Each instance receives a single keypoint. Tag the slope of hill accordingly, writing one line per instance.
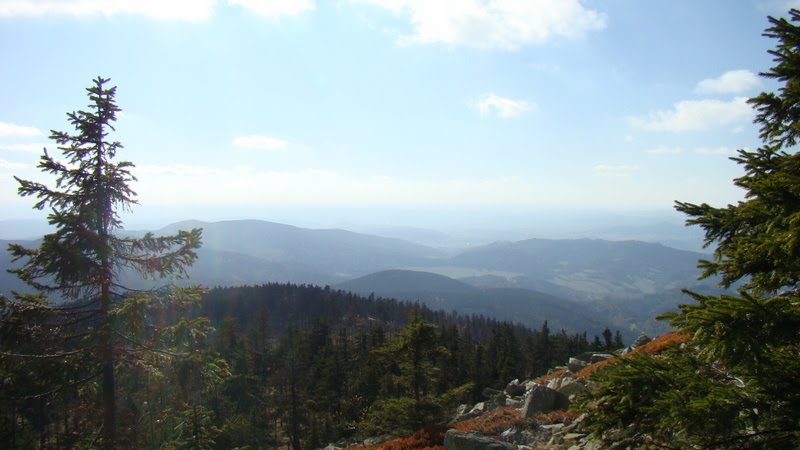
(675, 235)
(223, 268)
(404, 283)
(586, 268)
(338, 254)
(524, 306)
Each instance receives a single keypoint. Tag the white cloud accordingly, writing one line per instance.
(182, 10)
(664, 150)
(506, 24)
(628, 138)
(505, 108)
(259, 142)
(13, 130)
(691, 115)
(731, 82)
(29, 148)
(605, 170)
(275, 8)
(713, 151)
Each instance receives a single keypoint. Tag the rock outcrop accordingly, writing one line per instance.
(640, 341)
(542, 399)
(471, 440)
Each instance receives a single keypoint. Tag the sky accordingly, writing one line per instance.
(289, 110)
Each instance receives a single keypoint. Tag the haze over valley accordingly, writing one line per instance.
(576, 284)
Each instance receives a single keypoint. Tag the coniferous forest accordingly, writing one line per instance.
(275, 365)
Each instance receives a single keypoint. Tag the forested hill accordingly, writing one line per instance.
(276, 309)
(279, 306)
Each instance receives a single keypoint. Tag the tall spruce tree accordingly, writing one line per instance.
(734, 385)
(81, 261)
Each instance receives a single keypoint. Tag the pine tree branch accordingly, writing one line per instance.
(56, 391)
(142, 346)
(55, 355)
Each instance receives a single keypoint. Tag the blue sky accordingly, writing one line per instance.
(242, 107)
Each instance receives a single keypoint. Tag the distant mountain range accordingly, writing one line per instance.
(528, 281)
(316, 256)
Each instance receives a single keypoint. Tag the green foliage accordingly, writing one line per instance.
(674, 400)
(734, 385)
(193, 429)
(414, 353)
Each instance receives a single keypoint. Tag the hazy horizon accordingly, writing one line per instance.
(452, 227)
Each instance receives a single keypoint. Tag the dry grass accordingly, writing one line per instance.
(660, 343)
(592, 368)
(491, 423)
(564, 416)
(554, 374)
(495, 421)
(428, 438)
(653, 347)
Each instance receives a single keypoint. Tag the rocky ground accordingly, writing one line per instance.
(532, 414)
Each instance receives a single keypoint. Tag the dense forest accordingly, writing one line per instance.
(274, 365)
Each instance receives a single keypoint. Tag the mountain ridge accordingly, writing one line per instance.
(525, 306)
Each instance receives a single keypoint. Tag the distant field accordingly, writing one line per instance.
(464, 272)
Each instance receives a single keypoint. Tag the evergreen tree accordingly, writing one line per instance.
(543, 357)
(81, 261)
(505, 353)
(597, 346)
(607, 339)
(416, 350)
(618, 344)
(734, 385)
(410, 397)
